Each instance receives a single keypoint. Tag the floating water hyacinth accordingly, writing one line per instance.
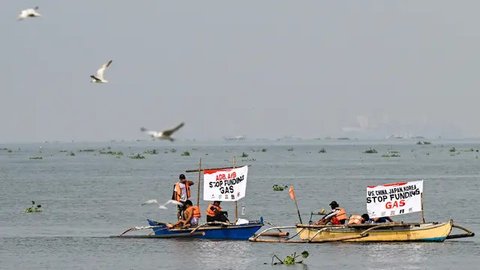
(35, 208)
(151, 152)
(370, 151)
(137, 156)
(86, 150)
(110, 152)
(185, 154)
(290, 259)
(391, 153)
(279, 187)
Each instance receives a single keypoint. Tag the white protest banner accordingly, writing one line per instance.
(225, 184)
(394, 199)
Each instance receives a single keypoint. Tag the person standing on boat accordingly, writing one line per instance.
(337, 216)
(215, 213)
(181, 193)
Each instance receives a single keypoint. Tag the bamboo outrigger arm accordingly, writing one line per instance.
(153, 236)
(345, 238)
(319, 231)
(461, 235)
(257, 238)
(138, 228)
(266, 232)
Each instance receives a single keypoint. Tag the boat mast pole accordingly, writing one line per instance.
(236, 202)
(423, 213)
(199, 181)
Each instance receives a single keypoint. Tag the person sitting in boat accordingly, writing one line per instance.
(181, 193)
(215, 213)
(337, 216)
(382, 219)
(191, 216)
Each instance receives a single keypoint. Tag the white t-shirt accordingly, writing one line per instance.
(183, 192)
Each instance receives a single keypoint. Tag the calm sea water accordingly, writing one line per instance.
(88, 196)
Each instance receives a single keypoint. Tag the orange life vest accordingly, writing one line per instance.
(355, 219)
(341, 215)
(193, 211)
(211, 212)
(177, 192)
(196, 212)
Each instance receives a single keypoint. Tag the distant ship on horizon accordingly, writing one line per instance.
(234, 138)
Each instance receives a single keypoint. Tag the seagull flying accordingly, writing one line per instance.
(164, 135)
(162, 206)
(98, 78)
(30, 12)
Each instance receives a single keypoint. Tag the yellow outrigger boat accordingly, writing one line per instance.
(434, 232)
(387, 232)
(368, 232)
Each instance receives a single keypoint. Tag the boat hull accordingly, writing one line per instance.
(217, 232)
(427, 232)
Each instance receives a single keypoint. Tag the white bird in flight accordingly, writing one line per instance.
(163, 135)
(98, 78)
(162, 206)
(30, 12)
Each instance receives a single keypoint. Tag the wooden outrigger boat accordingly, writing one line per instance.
(379, 200)
(210, 230)
(386, 232)
(239, 230)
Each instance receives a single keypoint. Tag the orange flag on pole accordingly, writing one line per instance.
(291, 192)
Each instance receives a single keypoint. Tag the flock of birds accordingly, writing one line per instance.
(99, 78)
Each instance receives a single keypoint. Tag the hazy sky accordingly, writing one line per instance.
(256, 68)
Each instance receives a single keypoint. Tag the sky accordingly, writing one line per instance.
(262, 69)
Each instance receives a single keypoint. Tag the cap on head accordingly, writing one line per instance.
(181, 176)
(188, 202)
(334, 204)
